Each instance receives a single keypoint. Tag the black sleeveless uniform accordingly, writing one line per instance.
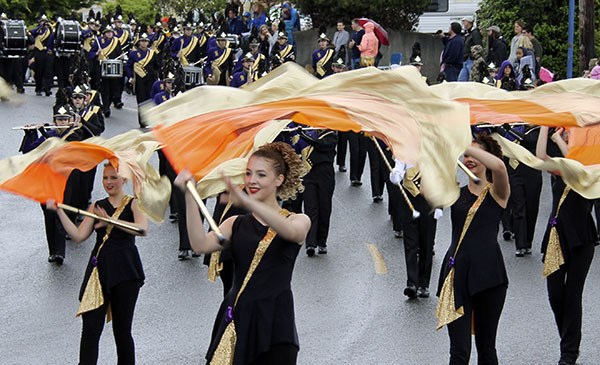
(119, 260)
(264, 315)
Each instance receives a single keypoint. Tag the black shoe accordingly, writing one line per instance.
(183, 255)
(322, 250)
(67, 237)
(48, 93)
(20, 90)
(59, 259)
(398, 234)
(107, 113)
(507, 235)
(119, 105)
(520, 252)
(310, 251)
(343, 168)
(411, 292)
(38, 93)
(423, 293)
(527, 251)
(377, 199)
(52, 258)
(195, 255)
(355, 183)
(173, 217)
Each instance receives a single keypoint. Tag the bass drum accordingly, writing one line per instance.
(14, 39)
(68, 37)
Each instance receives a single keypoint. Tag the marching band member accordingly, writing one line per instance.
(123, 35)
(186, 49)
(166, 94)
(202, 39)
(43, 55)
(323, 57)
(259, 67)
(282, 52)
(108, 48)
(158, 41)
(220, 62)
(246, 75)
(142, 69)
(342, 146)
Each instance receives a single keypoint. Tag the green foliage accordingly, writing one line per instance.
(391, 14)
(180, 8)
(548, 21)
(30, 10)
(143, 11)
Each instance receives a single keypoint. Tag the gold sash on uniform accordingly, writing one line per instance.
(157, 42)
(554, 257)
(124, 37)
(321, 71)
(185, 51)
(104, 53)
(446, 311)
(216, 68)
(224, 354)
(283, 53)
(40, 38)
(93, 298)
(140, 66)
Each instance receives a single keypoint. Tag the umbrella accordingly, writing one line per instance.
(381, 33)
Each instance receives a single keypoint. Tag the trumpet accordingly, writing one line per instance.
(38, 126)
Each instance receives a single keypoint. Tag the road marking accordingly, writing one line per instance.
(380, 267)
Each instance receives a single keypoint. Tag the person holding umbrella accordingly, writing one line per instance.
(369, 46)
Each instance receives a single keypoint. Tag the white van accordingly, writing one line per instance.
(441, 13)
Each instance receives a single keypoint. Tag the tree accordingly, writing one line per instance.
(547, 19)
(392, 14)
(30, 10)
(143, 11)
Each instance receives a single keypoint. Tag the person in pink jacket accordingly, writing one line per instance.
(369, 46)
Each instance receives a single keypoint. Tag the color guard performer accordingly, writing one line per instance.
(323, 57)
(142, 69)
(43, 36)
(108, 48)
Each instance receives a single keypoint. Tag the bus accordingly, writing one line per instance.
(441, 13)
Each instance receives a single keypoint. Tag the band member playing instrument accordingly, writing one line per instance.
(186, 49)
(123, 35)
(220, 62)
(202, 39)
(166, 94)
(323, 57)
(158, 41)
(108, 48)
(260, 65)
(282, 52)
(43, 56)
(142, 69)
(55, 234)
(245, 76)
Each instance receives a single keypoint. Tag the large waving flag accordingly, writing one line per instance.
(207, 126)
(42, 173)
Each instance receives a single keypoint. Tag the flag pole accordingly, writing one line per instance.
(211, 222)
(126, 226)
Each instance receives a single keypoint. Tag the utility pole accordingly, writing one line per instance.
(570, 39)
(587, 48)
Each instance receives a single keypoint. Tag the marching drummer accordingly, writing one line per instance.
(142, 69)
(202, 39)
(122, 34)
(107, 50)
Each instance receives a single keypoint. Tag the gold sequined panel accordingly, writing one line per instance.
(554, 257)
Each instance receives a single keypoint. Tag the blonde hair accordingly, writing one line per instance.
(286, 162)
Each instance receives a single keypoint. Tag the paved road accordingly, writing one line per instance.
(346, 312)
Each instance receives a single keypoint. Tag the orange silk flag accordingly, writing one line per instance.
(42, 173)
(584, 145)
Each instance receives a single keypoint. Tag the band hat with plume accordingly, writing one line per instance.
(339, 63)
(248, 57)
(323, 37)
(78, 90)
(222, 37)
(144, 37)
(132, 22)
(108, 28)
(528, 83)
(170, 77)
(63, 112)
(492, 66)
(282, 35)
(417, 61)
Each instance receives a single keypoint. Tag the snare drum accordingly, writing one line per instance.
(14, 38)
(112, 68)
(193, 76)
(68, 37)
(233, 40)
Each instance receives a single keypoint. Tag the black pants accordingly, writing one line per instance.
(55, 233)
(358, 155)
(484, 310)
(179, 197)
(111, 89)
(61, 68)
(342, 147)
(281, 354)
(597, 212)
(319, 185)
(122, 303)
(15, 71)
(378, 169)
(419, 236)
(165, 168)
(44, 70)
(523, 207)
(143, 86)
(565, 292)
(95, 72)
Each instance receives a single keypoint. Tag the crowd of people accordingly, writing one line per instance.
(259, 240)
